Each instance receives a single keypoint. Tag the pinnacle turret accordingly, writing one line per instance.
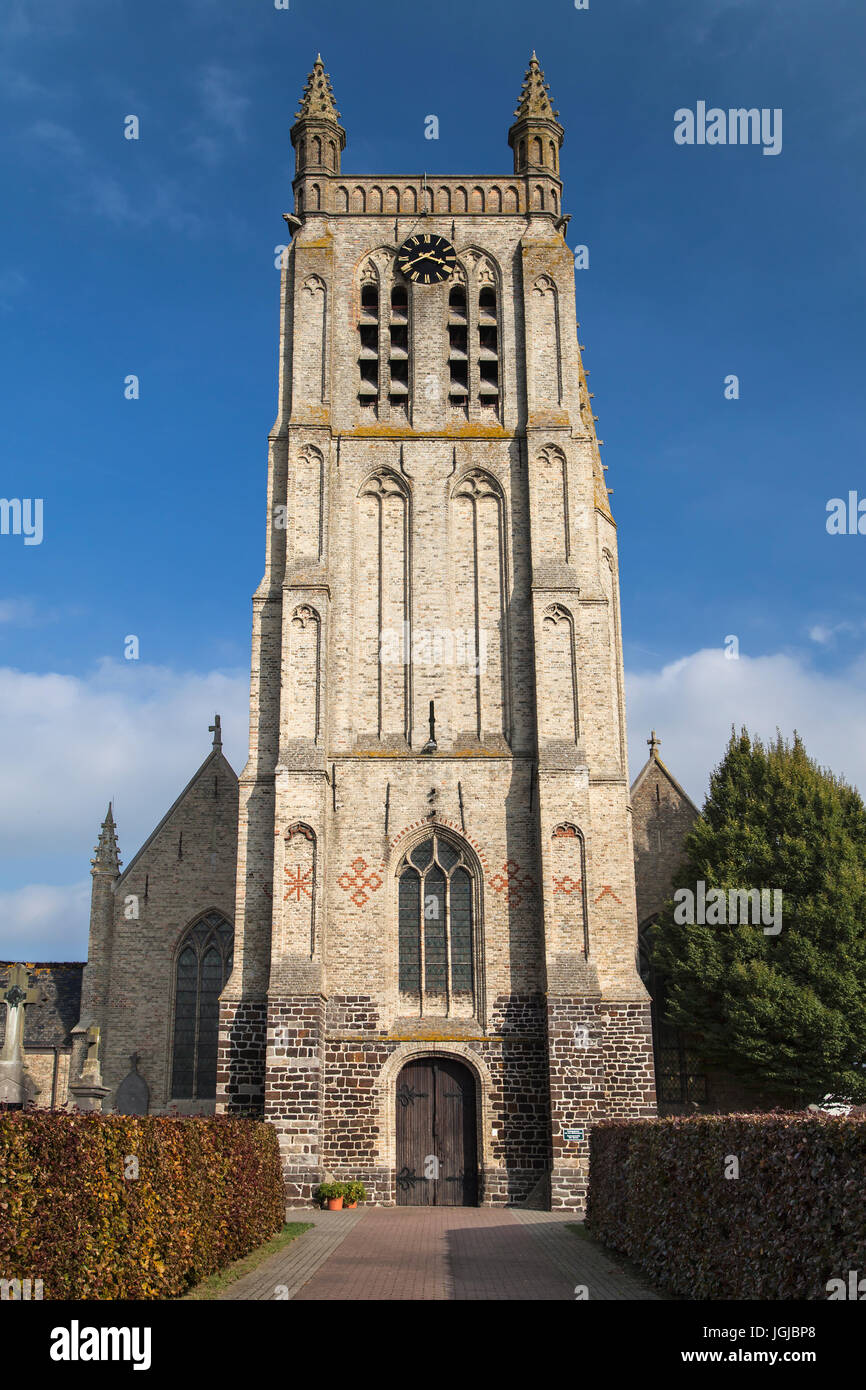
(536, 136)
(317, 136)
(106, 859)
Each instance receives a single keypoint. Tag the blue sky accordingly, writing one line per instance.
(156, 257)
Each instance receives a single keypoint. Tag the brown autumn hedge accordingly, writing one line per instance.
(793, 1219)
(208, 1191)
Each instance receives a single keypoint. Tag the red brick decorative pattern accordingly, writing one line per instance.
(513, 883)
(604, 892)
(567, 884)
(298, 882)
(434, 824)
(360, 884)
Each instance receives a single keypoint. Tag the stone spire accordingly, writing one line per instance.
(106, 858)
(318, 97)
(317, 136)
(536, 136)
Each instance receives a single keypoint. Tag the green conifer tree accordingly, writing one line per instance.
(787, 1011)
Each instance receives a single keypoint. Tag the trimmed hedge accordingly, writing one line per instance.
(208, 1191)
(793, 1219)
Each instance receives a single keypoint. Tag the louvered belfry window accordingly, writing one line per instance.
(203, 965)
(436, 922)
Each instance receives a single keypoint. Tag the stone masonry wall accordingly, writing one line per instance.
(513, 1111)
(241, 1056)
(600, 1069)
(294, 1089)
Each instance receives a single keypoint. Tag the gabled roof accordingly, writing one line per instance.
(654, 762)
(214, 757)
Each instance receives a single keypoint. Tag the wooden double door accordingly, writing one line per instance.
(437, 1163)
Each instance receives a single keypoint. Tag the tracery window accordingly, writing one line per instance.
(436, 927)
(204, 964)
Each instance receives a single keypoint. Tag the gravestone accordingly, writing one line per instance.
(133, 1096)
(87, 1092)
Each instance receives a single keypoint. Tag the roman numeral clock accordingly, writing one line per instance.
(426, 258)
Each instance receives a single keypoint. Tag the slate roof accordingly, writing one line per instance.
(50, 1020)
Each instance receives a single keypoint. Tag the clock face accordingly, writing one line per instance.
(425, 258)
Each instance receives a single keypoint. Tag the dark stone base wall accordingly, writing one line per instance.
(294, 1089)
(327, 1113)
(241, 1056)
(519, 1157)
(609, 1079)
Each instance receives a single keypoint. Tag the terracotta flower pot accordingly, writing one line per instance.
(335, 1203)
(351, 1204)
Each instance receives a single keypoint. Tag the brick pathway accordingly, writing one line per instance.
(292, 1267)
(438, 1253)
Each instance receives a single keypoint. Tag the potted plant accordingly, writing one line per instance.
(355, 1192)
(331, 1194)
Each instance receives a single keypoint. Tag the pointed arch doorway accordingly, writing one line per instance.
(437, 1146)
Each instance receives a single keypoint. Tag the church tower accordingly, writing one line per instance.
(435, 986)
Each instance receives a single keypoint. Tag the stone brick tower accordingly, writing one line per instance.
(435, 985)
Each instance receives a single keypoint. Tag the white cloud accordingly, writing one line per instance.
(41, 922)
(826, 635)
(693, 702)
(223, 113)
(221, 100)
(92, 190)
(18, 611)
(129, 732)
(59, 138)
(12, 284)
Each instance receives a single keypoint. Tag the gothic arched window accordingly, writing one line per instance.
(436, 927)
(204, 964)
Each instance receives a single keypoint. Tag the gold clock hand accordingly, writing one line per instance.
(425, 256)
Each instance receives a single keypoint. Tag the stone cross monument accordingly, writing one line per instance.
(16, 1087)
